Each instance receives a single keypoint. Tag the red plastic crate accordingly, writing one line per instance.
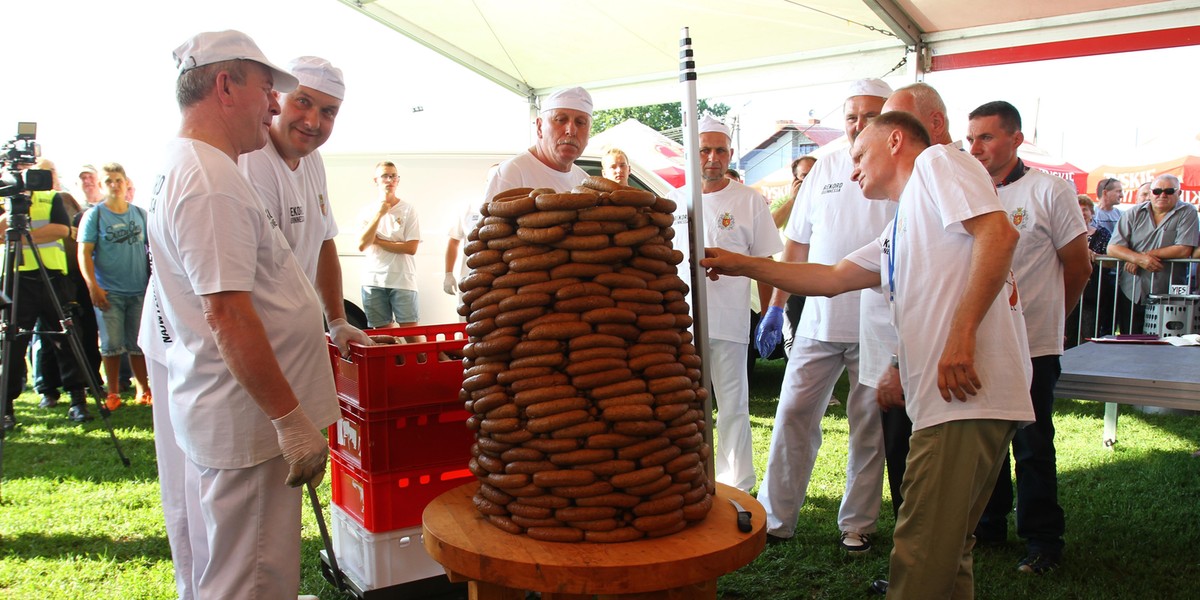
(381, 441)
(383, 502)
(403, 375)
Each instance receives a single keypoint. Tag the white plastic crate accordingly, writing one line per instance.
(379, 560)
(1168, 315)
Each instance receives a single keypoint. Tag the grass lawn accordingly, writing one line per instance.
(75, 523)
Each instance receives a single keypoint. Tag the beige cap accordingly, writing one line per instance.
(575, 98)
(319, 74)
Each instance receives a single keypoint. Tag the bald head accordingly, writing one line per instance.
(924, 103)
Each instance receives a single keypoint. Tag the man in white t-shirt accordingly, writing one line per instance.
(1052, 266)
(830, 219)
(239, 329)
(963, 356)
(736, 218)
(391, 233)
(289, 176)
(563, 126)
(467, 220)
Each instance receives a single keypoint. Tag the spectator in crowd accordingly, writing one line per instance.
(1108, 194)
(47, 379)
(962, 357)
(390, 235)
(800, 169)
(733, 175)
(115, 266)
(89, 185)
(1162, 228)
(1143, 193)
(49, 225)
(614, 164)
(736, 218)
(830, 220)
(1051, 266)
(239, 326)
(1082, 322)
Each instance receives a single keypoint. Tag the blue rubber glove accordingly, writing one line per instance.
(770, 331)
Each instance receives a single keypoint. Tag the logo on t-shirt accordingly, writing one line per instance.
(725, 221)
(296, 214)
(1018, 218)
(321, 203)
(271, 218)
(832, 188)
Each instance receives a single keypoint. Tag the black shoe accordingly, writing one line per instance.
(78, 413)
(855, 543)
(773, 539)
(48, 401)
(1038, 563)
(878, 587)
(10, 422)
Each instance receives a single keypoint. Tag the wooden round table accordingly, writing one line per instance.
(502, 566)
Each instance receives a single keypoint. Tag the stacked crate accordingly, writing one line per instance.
(400, 442)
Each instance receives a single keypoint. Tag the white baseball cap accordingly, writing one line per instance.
(709, 124)
(319, 74)
(869, 87)
(575, 98)
(218, 46)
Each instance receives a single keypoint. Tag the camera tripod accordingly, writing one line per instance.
(16, 238)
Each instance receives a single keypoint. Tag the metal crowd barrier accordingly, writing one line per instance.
(1170, 305)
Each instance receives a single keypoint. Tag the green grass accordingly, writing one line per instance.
(75, 523)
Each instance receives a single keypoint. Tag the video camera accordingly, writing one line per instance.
(20, 151)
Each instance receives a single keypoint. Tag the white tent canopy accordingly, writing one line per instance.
(625, 52)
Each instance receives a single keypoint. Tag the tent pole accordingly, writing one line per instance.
(695, 215)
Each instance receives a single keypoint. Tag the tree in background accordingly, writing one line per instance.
(659, 117)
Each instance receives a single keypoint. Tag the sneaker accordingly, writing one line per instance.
(10, 422)
(78, 413)
(1037, 563)
(855, 543)
(112, 402)
(48, 401)
(878, 587)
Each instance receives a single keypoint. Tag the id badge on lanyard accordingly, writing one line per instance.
(891, 263)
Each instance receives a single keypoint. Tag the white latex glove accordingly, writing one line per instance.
(450, 284)
(303, 446)
(342, 333)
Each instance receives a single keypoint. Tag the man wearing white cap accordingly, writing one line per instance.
(289, 175)
(238, 328)
(830, 219)
(737, 218)
(563, 126)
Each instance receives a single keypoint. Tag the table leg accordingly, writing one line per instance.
(1110, 424)
(482, 590)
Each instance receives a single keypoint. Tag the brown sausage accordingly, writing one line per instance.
(549, 318)
(521, 453)
(628, 412)
(620, 280)
(670, 412)
(605, 256)
(550, 446)
(547, 287)
(624, 388)
(594, 353)
(526, 511)
(669, 384)
(637, 478)
(545, 394)
(555, 534)
(541, 235)
(607, 213)
(559, 331)
(581, 457)
(507, 482)
(643, 295)
(660, 457)
(539, 262)
(505, 524)
(565, 477)
(512, 207)
(635, 237)
(491, 297)
(671, 338)
(601, 378)
(593, 366)
(595, 340)
(583, 491)
(528, 467)
(639, 363)
(527, 523)
(659, 506)
(486, 257)
(583, 304)
(671, 369)
(516, 280)
(581, 430)
(546, 218)
(557, 421)
(541, 360)
(534, 383)
(536, 347)
(554, 407)
(651, 322)
(580, 241)
(613, 499)
(631, 197)
(642, 399)
(643, 428)
(519, 316)
(580, 270)
(566, 201)
(512, 375)
(609, 315)
(580, 290)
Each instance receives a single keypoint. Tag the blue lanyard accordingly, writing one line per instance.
(892, 263)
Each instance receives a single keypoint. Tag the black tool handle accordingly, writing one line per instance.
(743, 521)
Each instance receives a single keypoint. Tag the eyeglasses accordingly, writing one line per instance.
(387, 176)
(1161, 191)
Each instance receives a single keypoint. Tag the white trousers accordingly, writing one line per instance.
(234, 533)
(174, 473)
(812, 372)
(733, 457)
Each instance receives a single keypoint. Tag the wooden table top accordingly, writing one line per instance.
(459, 538)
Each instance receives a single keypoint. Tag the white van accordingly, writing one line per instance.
(438, 185)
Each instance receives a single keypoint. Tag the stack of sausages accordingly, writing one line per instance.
(580, 373)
